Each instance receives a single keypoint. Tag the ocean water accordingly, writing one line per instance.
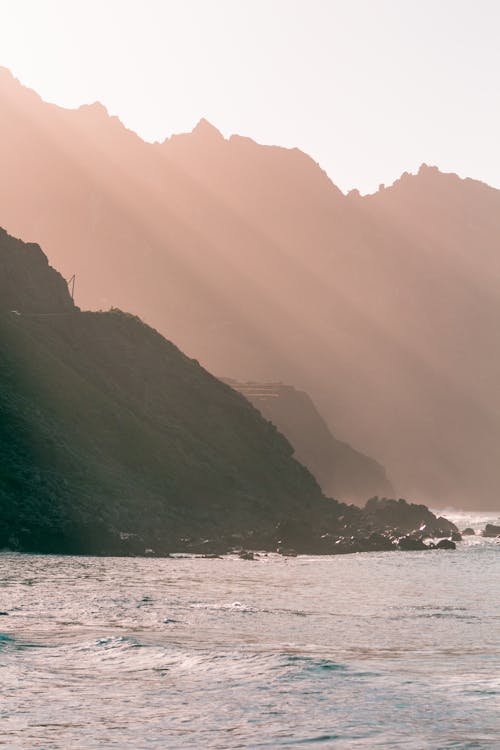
(379, 650)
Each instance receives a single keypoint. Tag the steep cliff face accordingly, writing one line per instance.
(109, 434)
(383, 308)
(27, 282)
(342, 472)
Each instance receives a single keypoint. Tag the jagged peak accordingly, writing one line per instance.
(433, 172)
(9, 81)
(427, 178)
(29, 284)
(205, 129)
(428, 169)
(94, 108)
(425, 172)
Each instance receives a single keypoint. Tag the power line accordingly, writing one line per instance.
(71, 286)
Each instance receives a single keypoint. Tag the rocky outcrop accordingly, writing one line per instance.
(27, 282)
(491, 531)
(446, 544)
(411, 544)
(341, 471)
(403, 516)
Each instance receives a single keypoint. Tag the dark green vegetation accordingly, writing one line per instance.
(114, 442)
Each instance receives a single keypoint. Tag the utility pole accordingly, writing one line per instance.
(71, 286)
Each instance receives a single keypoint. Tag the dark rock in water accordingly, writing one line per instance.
(246, 555)
(374, 542)
(444, 525)
(446, 544)
(468, 532)
(387, 514)
(456, 536)
(441, 527)
(348, 545)
(380, 542)
(411, 544)
(286, 552)
(209, 548)
(490, 530)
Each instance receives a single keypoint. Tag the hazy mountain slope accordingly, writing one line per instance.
(106, 427)
(441, 276)
(342, 472)
(383, 308)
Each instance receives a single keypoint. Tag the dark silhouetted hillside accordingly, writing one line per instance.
(107, 429)
(27, 281)
(114, 442)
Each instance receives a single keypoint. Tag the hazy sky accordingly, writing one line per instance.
(369, 88)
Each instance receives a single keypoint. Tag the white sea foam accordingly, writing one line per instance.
(476, 520)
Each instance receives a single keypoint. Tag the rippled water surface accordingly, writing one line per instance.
(379, 650)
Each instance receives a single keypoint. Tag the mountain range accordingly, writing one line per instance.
(383, 308)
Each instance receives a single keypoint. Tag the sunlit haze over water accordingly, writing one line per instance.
(249, 375)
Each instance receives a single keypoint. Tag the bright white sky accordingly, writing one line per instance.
(369, 88)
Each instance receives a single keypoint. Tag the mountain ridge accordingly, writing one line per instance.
(382, 307)
(204, 126)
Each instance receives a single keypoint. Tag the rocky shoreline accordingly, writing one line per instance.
(382, 525)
